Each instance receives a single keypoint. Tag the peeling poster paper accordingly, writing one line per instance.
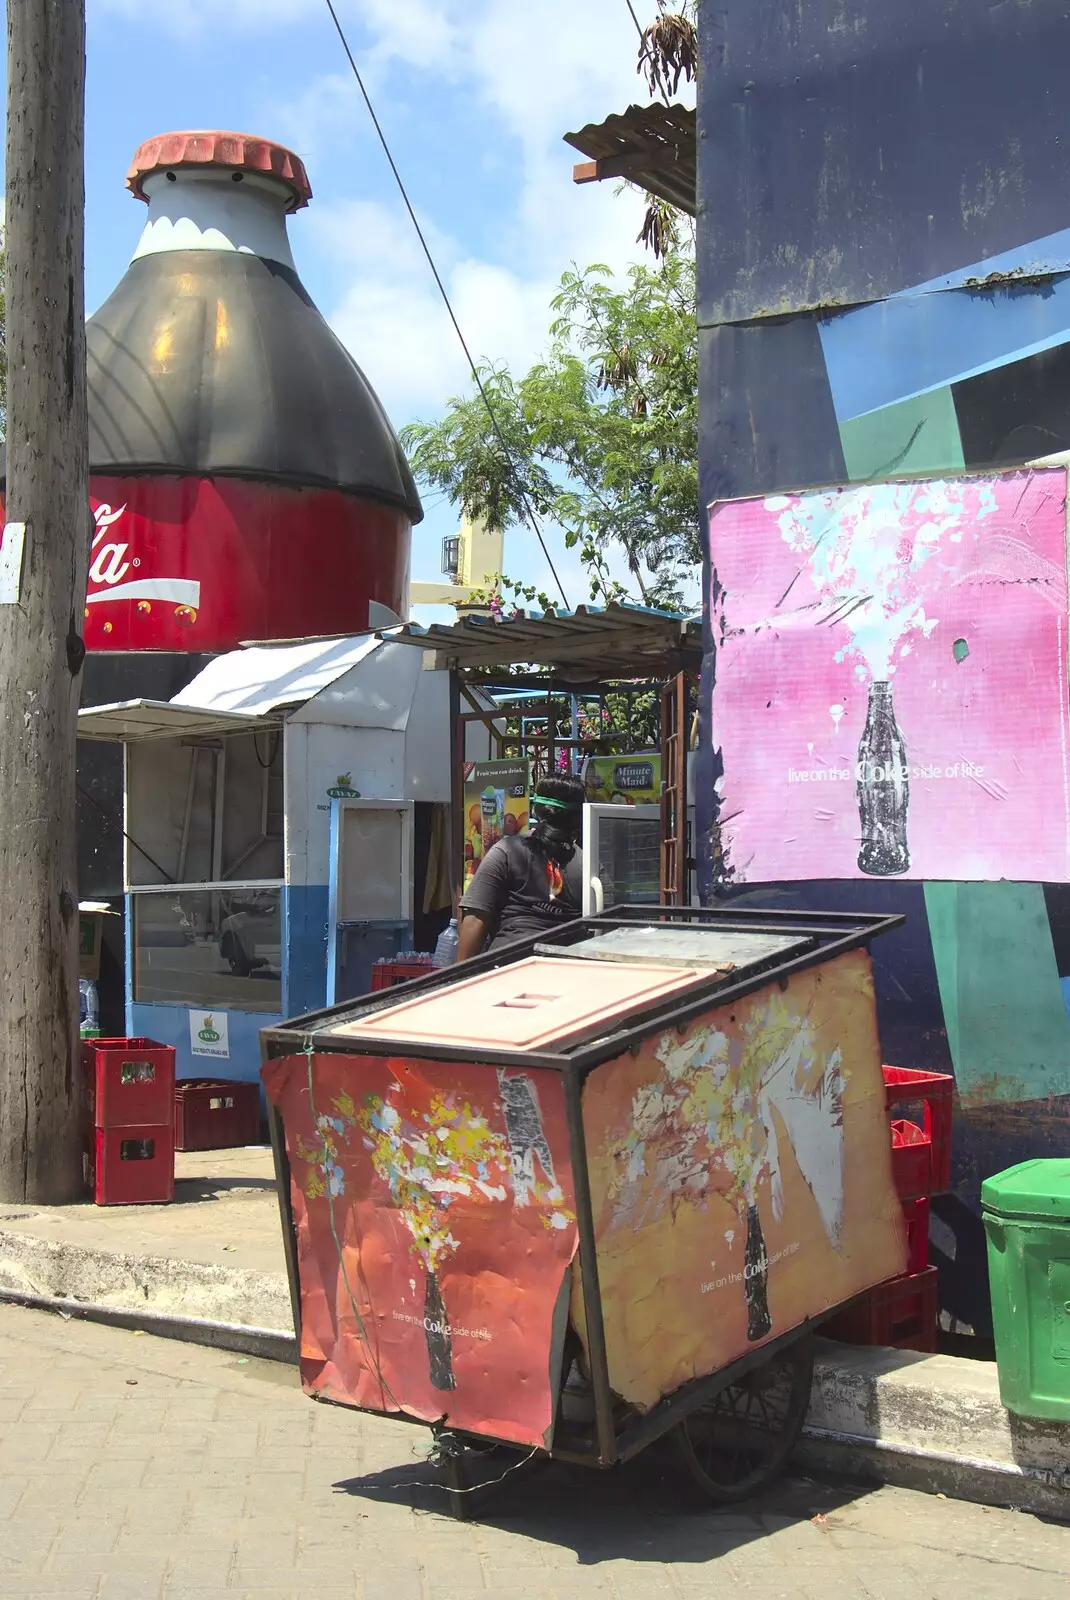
(12, 546)
(891, 680)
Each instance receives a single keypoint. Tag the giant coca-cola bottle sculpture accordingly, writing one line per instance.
(246, 483)
(883, 787)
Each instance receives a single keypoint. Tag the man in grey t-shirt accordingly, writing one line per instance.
(529, 883)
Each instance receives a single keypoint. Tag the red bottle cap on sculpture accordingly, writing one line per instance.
(239, 153)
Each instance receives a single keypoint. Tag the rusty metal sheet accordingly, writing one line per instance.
(653, 146)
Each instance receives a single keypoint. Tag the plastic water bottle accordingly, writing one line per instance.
(446, 948)
(89, 1008)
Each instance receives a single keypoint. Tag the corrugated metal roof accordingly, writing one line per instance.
(589, 645)
(653, 146)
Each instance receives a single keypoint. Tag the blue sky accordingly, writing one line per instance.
(474, 96)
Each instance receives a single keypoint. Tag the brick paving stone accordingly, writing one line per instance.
(135, 1469)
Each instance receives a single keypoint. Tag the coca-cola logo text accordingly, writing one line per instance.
(107, 563)
(114, 575)
(894, 772)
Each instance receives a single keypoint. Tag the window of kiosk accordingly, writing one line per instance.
(205, 811)
(215, 946)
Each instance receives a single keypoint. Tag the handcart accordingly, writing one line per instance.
(592, 1189)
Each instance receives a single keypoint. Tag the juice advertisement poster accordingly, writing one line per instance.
(633, 780)
(495, 804)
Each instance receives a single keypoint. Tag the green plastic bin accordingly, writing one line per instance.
(1027, 1221)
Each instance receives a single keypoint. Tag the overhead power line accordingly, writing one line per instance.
(446, 299)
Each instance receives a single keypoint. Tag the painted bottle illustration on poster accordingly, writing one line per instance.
(883, 787)
(756, 1279)
(440, 1158)
(439, 1339)
(704, 1131)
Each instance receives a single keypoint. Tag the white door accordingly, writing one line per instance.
(373, 865)
(621, 857)
(370, 890)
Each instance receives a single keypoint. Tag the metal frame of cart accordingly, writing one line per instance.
(612, 1438)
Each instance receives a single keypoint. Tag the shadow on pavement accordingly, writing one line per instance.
(189, 1190)
(645, 1510)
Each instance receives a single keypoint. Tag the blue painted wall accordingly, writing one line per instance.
(170, 1025)
(305, 936)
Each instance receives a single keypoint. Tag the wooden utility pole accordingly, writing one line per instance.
(43, 559)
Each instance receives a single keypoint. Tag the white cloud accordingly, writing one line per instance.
(308, 119)
(533, 73)
(424, 34)
(393, 320)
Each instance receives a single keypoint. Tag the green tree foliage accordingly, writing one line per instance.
(601, 437)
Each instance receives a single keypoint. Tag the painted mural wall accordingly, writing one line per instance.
(884, 294)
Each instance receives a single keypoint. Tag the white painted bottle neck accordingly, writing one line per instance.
(191, 210)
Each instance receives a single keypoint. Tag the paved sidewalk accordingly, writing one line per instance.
(133, 1469)
(225, 1214)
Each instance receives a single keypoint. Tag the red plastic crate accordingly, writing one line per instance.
(385, 974)
(901, 1313)
(414, 967)
(127, 1082)
(131, 1166)
(912, 1163)
(916, 1215)
(921, 1155)
(214, 1115)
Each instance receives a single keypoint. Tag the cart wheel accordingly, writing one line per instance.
(740, 1440)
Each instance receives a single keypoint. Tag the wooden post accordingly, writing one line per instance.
(42, 596)
(674, 742)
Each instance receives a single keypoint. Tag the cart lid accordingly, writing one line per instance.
(729, 949)
(526, 1005)
(1039, 1188)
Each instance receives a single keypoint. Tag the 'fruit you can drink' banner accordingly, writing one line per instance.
(495, 804)
(891, 681)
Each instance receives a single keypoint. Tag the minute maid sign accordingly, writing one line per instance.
(208, 1034)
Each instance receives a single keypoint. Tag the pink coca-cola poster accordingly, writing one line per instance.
(890, 683)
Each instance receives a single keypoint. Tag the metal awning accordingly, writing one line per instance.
(588, 645)
(129, 721)
(652, 146)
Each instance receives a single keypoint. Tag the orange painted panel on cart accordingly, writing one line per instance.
(524, 1006)
(433, 1205)
(741, 1177)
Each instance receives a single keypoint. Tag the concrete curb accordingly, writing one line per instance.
(934, 1423)
(267, 1343)
(875, 1461)
(159, 1285)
